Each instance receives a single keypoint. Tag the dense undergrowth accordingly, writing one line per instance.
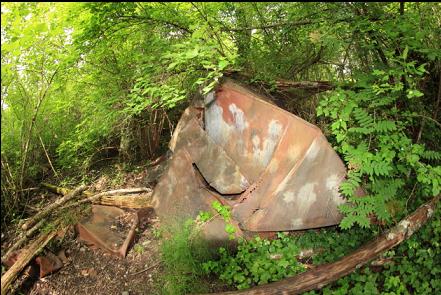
(413, 267)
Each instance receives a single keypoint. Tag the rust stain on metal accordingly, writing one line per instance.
(49, 263)
(275, 170)
(104, 229)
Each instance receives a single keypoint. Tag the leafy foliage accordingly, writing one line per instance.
(371, 132)
(182, 252)
(224, 212)
(411, 268)
(258, 261)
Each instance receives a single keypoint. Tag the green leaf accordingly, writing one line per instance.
(405, 51)
(223, 64)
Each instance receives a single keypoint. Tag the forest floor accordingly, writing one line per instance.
(93, 271)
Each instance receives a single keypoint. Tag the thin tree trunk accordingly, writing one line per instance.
(31, 126)
(47, 156)
(438, 99)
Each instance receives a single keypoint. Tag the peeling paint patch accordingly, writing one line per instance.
(274, 131)
(296, 222)
(313, 151)
(215, 125)
(256, 142)
(332, 182)
(239, 118)
(274, 128)
(306, 196)
(244, 184)
(288, 197)
(265, 154)
(332, 185)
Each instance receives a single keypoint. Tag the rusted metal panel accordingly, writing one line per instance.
(179, 192)
(49, 263)
(189, 114)
(244, 128)
(307, 197)
(218, 169)
(283, 171)
(100, 230)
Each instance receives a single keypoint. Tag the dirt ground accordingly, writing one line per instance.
(93, 271)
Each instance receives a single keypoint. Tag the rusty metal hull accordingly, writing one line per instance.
(275, 170)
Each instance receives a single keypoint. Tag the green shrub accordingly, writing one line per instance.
(182, 252)
(258, 261)
(372, 134)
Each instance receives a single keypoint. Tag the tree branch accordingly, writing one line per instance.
(322, 275)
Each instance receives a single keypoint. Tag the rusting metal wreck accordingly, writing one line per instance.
(276, 171)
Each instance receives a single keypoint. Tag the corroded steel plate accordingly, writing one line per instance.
(109, 228)
(275, 170)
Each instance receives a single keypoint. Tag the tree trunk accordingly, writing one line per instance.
(322, 275)
(126, 144)
(127, 201)
(118, 194)
(243, 35)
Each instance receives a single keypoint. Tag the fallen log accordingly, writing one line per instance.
(56, 189)
(40, 215)
(318, 277)
(126, 201)
(124, 191)
(109, 195)
(28, 254)
(134, 198)
(287, 85)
